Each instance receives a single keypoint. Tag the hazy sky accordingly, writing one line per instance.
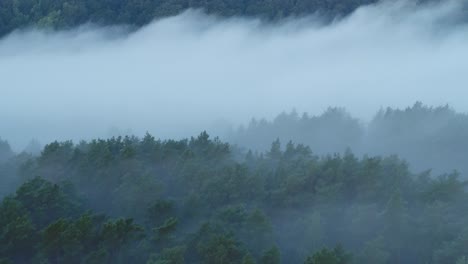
(177, 76)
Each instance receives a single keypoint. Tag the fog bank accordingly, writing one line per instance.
(180, 75)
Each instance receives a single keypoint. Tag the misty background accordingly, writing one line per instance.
(343, 134)
(184, 74)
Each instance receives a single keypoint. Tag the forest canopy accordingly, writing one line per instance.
(65, 14)
(300, 188)
(71, 13)
(200, 200)
(427, 137)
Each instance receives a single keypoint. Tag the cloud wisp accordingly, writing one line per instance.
(178, 75)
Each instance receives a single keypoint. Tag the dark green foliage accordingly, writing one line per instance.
(272, 256)
(60, 241)
(220, 248)
(47, 201)
(326, 256)
(118, 234)
(159, 211)
(196, 201)
(163, 231)
(17, 233)
(248, 259)
(61, 14)
(173, 255)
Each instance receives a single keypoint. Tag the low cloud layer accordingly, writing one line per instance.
(180, 75)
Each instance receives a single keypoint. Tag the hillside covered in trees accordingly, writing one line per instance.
(324, 189)
(71, 13)
(427, 137)
(199, 200)
(65, 14)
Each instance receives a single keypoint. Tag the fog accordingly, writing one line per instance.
(388, 79)
(180, 75)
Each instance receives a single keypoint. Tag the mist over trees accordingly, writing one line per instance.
(332, 131)
(71, 13)
(62, 14)
(199, 200)
(5, 151)
(427, 137)
(301, 188)
(227, 64)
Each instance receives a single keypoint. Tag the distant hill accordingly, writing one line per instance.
(428, 137)
(62, 14)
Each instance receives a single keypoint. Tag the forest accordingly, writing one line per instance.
(62, 14)
(65, 14)
(306, 188)
(427, 137)
(201, 200)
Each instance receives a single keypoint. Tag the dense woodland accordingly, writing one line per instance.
(427, 137)
(306, 189)
(70, 13)
(64, 14)
(200, 200)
